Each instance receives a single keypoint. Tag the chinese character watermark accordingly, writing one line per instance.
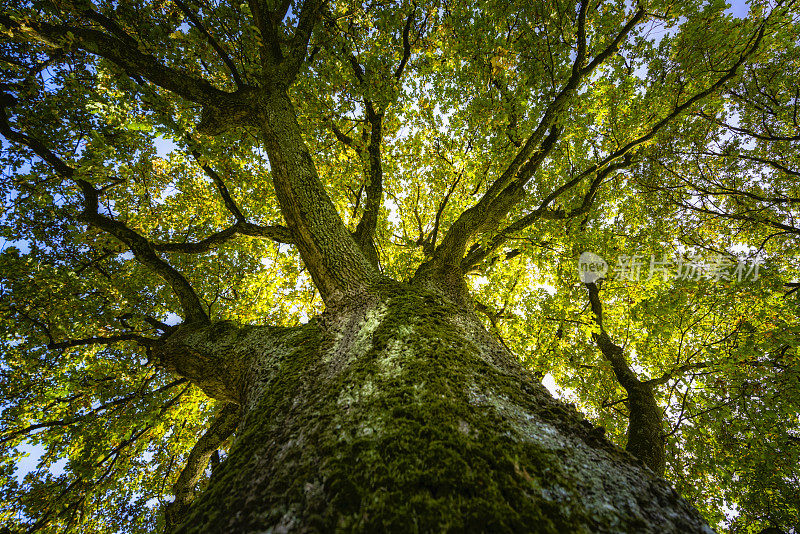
(715, 267)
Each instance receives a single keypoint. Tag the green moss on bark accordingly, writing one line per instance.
(398, 422)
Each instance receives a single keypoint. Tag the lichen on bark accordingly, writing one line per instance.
(397, 416)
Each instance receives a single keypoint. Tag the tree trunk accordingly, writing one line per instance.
(404, 415)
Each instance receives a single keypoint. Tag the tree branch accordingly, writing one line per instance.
(365, 231)
(120, 52)
(110, 25)
(343, 137)
(678, 371)
(363, 236)
(508, 189)
(11, 434)
(141, 248)
(406, 44)
(184, 488)
(309, 13)
(277, 233)
(335, 261)
(626, 150)
(480, 253)
(192, 16)
(645, 424)
(103, 340)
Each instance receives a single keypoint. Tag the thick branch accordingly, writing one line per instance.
(480, 253)
(335, 261)
(121, 52)
(406, 44)
(221, 110)
(143, 251)
(508, 189)
(365, 231)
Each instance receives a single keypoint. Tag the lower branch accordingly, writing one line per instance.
(645, 432)
(222, 427)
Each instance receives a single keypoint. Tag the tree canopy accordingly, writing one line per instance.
(175, 161)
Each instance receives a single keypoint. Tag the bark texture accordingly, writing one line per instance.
(329, 251)
(402, 414)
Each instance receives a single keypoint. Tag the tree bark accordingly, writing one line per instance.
(337, 265)
(403, 414)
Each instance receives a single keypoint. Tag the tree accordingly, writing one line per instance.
(269, 264)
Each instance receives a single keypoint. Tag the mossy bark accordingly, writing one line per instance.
(403, 415)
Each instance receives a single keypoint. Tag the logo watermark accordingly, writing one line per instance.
(716, 267)
(591, 267)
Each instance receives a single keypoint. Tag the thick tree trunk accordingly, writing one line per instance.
(403, 415)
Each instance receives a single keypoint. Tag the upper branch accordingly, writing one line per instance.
(508, 189)
(607, 164)
(365, 231)
(406, 44)
(309, 13)
(120, 52)
(557, 107)
(221, 187)
(110, 25)
(479, 253)
(192, 16)
(612, 352)
(142, 249)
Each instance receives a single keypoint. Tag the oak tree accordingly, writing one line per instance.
(302, 265)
